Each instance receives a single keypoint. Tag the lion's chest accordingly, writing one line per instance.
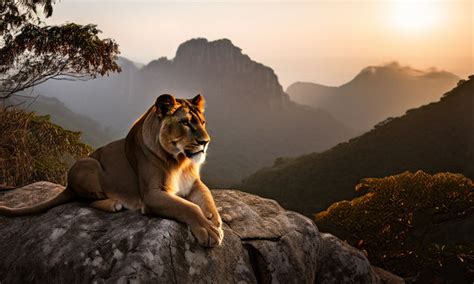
(182, 183)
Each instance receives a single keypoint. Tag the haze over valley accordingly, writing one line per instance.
(251, 120)
(436, 137)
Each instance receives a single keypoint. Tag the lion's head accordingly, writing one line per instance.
(179, 126)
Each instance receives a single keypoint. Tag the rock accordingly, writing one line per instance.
(341, 263)
(263, 243)
(387, 277)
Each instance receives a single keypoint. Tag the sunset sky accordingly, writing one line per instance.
(325, 42)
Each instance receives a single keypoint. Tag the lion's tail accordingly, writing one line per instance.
(65, 196)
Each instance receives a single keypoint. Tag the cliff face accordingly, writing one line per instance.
(250, 118)
(221, 70)
(263, 243)
(376, 93)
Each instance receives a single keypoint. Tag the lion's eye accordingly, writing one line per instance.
(186, 123)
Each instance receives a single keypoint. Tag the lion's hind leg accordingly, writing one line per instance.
(85, 178)
(108, 205)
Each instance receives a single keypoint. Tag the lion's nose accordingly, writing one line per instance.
(203, 142)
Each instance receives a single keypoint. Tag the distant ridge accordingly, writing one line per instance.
(376, 93)
(92, 132)
(437, 137)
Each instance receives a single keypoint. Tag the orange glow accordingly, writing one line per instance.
(319, 41)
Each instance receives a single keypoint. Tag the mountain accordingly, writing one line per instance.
(437, 137)
(250, 118)
(106, 100)
(376, 93)
(92, 132)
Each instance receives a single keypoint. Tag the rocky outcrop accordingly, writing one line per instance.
(263, 243)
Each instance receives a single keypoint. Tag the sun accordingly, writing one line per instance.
(414, 16)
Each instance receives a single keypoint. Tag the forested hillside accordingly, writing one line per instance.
(437, 137)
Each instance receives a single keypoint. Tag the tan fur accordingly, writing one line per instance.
(155, 169)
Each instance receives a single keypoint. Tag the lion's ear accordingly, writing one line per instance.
(165, 103)
(199, 101)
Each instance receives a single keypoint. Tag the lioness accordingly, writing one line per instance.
(154, 169)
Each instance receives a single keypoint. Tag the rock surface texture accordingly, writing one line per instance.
(263, 243)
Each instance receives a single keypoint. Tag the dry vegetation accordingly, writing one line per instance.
(32, 148)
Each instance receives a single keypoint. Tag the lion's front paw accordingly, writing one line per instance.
(208, 235)
(213, 216)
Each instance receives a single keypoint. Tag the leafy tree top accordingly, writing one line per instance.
(404, 223)
(32, 52)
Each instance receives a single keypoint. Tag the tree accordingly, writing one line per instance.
(32, 52)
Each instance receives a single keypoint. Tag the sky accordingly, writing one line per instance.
(326, 42)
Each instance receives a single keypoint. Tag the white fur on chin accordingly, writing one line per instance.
(199, 158)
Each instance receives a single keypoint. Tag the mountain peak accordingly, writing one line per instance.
(202, 48)
(196, 43)
(395, 70)
(202, 61)
(387, 90)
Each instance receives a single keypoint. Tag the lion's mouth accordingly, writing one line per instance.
(191, 154)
